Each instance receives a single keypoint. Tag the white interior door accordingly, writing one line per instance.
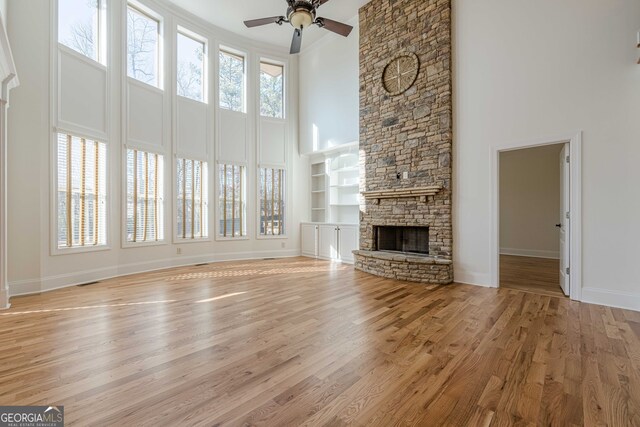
(565, 218)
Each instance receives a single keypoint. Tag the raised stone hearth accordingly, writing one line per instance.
(414, 268)
(405, 140)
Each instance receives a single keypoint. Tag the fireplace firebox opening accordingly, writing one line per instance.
(410, 240)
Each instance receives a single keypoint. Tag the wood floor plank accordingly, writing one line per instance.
(307, 342)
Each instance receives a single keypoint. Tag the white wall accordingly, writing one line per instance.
(3, 10)
(530, 201)
(32, 268)
(329, 92)
(527, 70)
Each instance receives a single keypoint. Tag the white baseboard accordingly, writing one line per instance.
(4, 299)
(619, 299)
(472, 278)
(49, 283)
(533, 253)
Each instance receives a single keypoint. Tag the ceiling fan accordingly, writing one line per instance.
(302, 14)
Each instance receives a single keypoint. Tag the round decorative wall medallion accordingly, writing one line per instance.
(400, 73)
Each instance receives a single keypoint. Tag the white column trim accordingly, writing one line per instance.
(9, 79)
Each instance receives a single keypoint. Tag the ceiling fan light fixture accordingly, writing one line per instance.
(301, 18)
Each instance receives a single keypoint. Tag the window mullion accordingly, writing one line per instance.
(69, 189)
(193, 198)
(135, 195)
(273, 189)
(96, 184)
(241, 207)
(155, 197)
(224, 203)
(83, 188)
(146, 196)
(201, 199)
(280, 202)
(184, 198)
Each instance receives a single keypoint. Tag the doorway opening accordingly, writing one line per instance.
(537, 217)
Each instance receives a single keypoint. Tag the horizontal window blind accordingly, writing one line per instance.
(145, 196)
(232, 201)
(192, 199)
(272, 201)
(81, 195)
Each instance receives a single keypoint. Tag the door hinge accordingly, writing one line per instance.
(567, 215)
(567, 270)
(568, 159)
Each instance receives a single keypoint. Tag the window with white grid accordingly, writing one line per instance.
(192, 199)
(81, 192)
(145, 196)
(272, 201)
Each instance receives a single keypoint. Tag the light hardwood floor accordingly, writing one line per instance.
(537, 275)
(306, 342)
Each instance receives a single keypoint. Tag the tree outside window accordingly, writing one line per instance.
(271, 90)
(142, 47)
(190, 70)
(80, 25)
(232, 77)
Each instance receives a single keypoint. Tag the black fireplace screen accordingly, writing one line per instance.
(402, 239)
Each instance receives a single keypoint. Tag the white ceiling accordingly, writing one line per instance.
(230, 14)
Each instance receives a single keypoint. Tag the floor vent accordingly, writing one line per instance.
(200, 265)
(90, 283)
(268, 259)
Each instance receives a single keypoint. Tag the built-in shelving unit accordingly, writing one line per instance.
(319, 192)
(335, 185)
(344, 186)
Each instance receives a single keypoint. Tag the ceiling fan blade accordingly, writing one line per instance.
(321, 2)
(264, 21)
(335, 26)
(296, 43)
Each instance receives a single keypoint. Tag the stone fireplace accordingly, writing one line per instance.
(405, 143)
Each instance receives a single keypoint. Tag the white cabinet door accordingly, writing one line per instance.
(347, 242)
(327, 241)
(309, 243)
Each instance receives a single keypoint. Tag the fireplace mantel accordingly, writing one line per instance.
(421, 193)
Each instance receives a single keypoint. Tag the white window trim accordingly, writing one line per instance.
(125, 244)
(287, 210)
(151, 14)
(181, 30)
(174, 204)
(285, 92)
(216, 180)
(224, 48)
(55, 250)
(103, 34)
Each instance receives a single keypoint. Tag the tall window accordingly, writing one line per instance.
(143, 48)
(81, 26)
(81, 192)
(271, 90)
(232, 196)
(192, 199)
(191, 70)
(232, 81)
(145, 196)
(272, 201)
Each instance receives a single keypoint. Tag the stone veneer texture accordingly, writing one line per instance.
(411, 132)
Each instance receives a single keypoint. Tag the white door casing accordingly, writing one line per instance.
(565, 219)
(574, 227)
